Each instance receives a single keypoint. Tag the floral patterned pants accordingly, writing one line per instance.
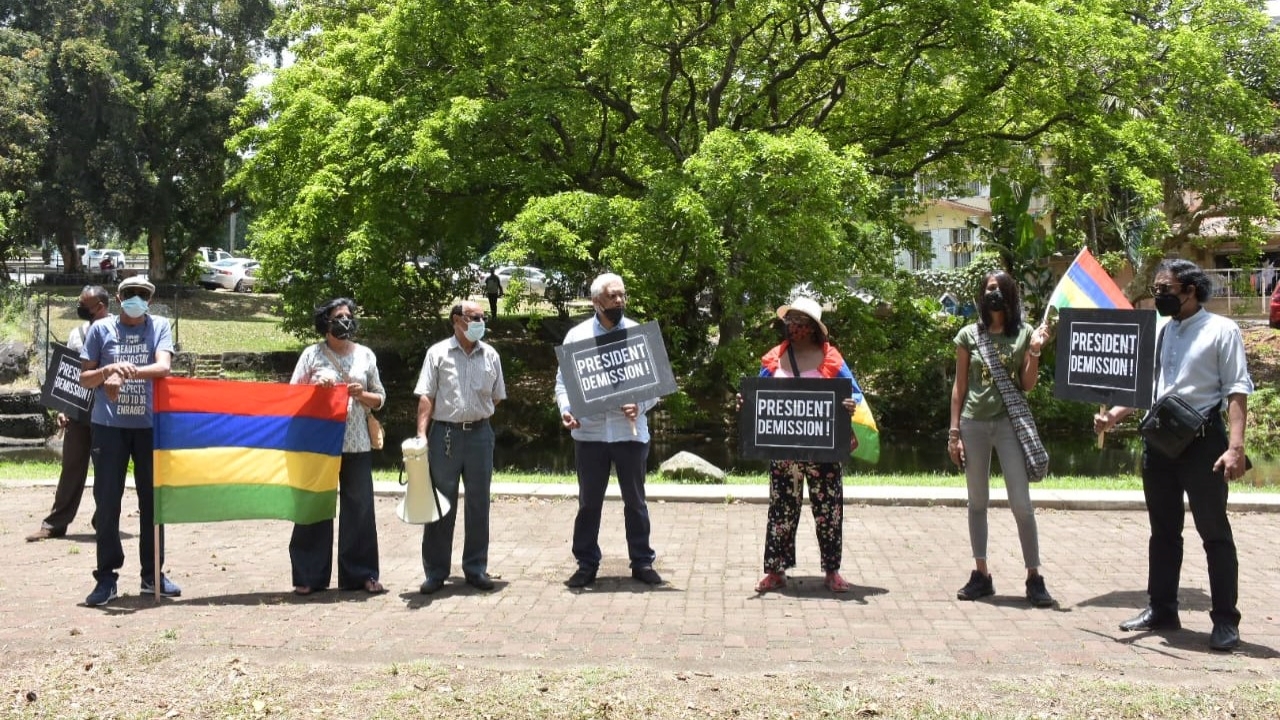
(826, 496)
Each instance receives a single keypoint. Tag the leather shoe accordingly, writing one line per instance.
(582, 578)
(1224, 636)
(45, 533)
(480, 582)
(646, 575)
(1148, 620)
(431, 585)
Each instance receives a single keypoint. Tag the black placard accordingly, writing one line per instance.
(62, 390)
(623, 366)
(795, 419)
(1105, 356)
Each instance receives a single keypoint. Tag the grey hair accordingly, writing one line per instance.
(597, 285)
(99, 293)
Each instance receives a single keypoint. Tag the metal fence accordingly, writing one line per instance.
(1244, 291)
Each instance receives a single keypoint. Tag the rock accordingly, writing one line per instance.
(15, 361)
(687, 466)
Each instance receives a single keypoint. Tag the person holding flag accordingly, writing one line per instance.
(1000, 349)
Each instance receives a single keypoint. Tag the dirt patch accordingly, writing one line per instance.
(1262, 346)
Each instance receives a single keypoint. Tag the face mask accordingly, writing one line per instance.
(83, 313)
(475, 331)
(799, 331)
(613, 315)
(134, 307)
(342, 327)
(1168, 305)
(994, 301)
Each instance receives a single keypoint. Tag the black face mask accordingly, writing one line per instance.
(613, 315)
(1168, 304)
(994, 301)
(83, 313)
(342, 327)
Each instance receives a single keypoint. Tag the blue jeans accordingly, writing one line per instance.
(111, 450)
(593, 461)
(311, 546)
(467, 454)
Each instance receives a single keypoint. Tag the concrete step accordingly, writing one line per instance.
(34, 426)
(20, 402)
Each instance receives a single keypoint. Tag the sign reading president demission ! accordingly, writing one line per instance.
(623, 366)
(62, 390)
(795, 419)
(1105, 356)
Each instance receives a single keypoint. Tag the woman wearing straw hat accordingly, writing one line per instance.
(805, 353)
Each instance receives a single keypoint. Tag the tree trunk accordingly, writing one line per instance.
(66, 240)
(155, 254)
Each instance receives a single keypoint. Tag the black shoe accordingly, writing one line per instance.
(1148, 620)
(647, 575)
(1224, 637)
(582, 578)
(979, 586)
(431, 585)
(480, 582)
(1037, 595)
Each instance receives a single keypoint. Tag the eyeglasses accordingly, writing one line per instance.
(615, 295)
(1162, 289)
(797, 319)
(135, 292)
(478, 317)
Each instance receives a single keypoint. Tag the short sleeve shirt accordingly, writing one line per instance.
(360, 366)
(983, 401)
(110, 340)
(464, 387)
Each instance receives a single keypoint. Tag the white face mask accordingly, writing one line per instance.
(475, 331)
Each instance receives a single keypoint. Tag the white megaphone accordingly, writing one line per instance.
(421, 504)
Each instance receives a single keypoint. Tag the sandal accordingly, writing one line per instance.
(772, 581)
(835, 583)
(302, 590)
(373, 587)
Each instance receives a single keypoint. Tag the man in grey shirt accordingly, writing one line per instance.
(459, 387)
(1201, 360)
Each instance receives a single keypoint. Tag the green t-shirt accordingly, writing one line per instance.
(983, 401)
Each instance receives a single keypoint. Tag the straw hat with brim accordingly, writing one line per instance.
(809, 307)
(136, 281)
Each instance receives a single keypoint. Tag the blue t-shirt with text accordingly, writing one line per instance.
(110, 341)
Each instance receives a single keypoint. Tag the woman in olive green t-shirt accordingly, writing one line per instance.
(980, 423)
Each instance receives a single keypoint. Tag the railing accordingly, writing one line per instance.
(1244, 291)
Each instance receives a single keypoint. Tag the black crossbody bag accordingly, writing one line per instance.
(1172, 423)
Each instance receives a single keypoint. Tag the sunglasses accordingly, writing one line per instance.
(1162, 289)
(797, 319)
(135, 292)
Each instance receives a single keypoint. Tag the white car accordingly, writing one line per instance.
(535, 280)
(228, 274)
(56, 258)
(95, 257)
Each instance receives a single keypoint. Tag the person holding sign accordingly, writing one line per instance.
(77, 435)
(1200, 359)
(981, 420)
(458, 390)
(120, 358)
(805, 353)
(339, 360)
(617, 437)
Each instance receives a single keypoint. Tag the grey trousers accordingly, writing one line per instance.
(467, 455)
(980, 437)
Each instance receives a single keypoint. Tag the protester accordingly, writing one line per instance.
(77, 435)
(981, 419)
(805, 353)
(617, 437)
(493, 289)
(121, 357)
(337, 359)
(458, 389)
(1200, 359)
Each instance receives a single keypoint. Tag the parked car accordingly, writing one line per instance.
(208, 255)
(1275, 307)
(95, 257)
(56, 258)
(535, 280)
(229, 274)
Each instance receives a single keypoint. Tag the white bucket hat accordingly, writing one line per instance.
(809, 307)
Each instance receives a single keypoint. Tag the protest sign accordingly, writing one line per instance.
(623, 366)
(62, 390)
(1105, 356)
(795, 419)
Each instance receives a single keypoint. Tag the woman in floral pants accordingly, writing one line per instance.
(805, 353)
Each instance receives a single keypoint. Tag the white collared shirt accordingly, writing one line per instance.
(1202, 361)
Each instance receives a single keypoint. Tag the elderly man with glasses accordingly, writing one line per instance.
(121, 357)
(458, 389)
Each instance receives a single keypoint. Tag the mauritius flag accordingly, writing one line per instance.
(866, 432)
(1087, 285)
(240, 450)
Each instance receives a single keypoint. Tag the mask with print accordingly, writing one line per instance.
(475, 331)
(342, 327)
(135, 307)
(799, 332)
(994, 301)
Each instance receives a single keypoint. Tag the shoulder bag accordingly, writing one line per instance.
(377, 436)
(1024, 425)
(1171, 423)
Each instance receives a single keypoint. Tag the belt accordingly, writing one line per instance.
(464, 426)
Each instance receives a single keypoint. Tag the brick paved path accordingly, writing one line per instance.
(905, 562)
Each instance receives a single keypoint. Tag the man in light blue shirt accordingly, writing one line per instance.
(617, 437)
(1201, 359)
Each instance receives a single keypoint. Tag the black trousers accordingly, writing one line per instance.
(77, 439)
(311, 546)
(1164, 481)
